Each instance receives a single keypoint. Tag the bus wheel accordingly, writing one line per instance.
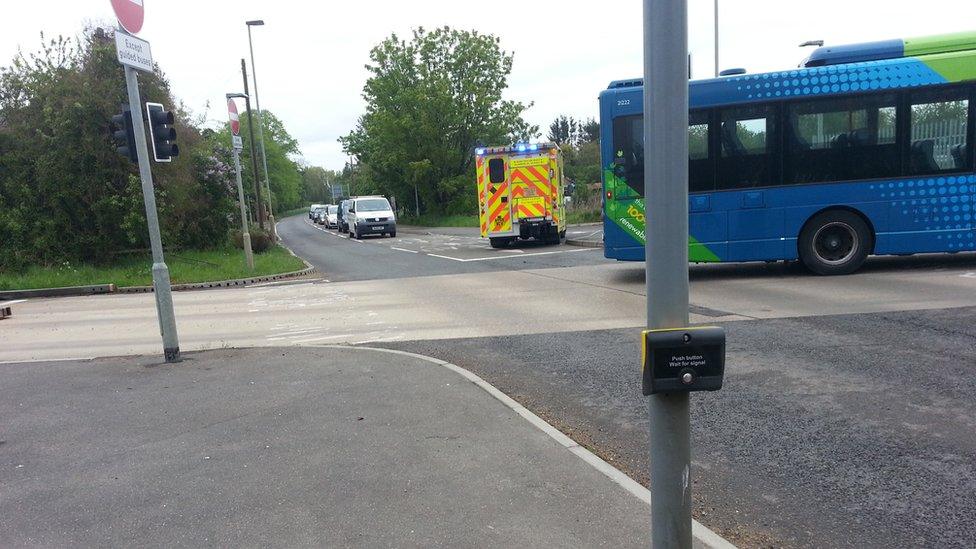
(835, 242)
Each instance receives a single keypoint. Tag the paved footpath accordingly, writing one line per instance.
(323, 446)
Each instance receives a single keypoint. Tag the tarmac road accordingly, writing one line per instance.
(831, 431)
(412, 254)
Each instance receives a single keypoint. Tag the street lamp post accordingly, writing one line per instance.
(716, 39)
(254, 158)
(257, 105)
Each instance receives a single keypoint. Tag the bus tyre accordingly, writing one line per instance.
(835, 242)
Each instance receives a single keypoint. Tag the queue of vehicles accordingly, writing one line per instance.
(357, 216)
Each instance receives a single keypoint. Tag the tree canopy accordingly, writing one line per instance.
(65, 194)
(430, 101)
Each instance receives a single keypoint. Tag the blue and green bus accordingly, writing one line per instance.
(864, 149)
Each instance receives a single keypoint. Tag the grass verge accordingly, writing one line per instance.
(583, 216)
(184, 267)
(291, 212)
(428, 220)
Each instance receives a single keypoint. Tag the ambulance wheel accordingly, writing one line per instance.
(553, 237)
(500, 242)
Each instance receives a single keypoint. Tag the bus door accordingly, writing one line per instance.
(707, 218)
(746, 166)
(624, 188)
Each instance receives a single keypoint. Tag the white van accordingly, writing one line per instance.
(370, 215)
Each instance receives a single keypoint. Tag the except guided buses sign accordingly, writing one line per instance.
(133, 52)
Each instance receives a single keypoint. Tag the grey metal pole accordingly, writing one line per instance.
(160, 273)
(666, 199)
(716, 39)
(254, 158)
(245, 235)
(257, 106)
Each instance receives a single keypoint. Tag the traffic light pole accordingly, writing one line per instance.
(160, 273)
(666, 200)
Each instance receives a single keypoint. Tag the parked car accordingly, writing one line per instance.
(370, 215)
(319, 215)
(331, 216)
(311, 210)
(341, 216)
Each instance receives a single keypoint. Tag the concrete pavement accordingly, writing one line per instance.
(295, 447)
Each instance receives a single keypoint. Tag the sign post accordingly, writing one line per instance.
(134, 55)
(238, 144)
(666, 192)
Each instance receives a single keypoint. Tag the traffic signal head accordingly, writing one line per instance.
(162, 132)
(123, 136)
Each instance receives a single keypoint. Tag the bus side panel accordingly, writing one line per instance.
(932, 214)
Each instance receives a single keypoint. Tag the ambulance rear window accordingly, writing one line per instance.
(496, 170)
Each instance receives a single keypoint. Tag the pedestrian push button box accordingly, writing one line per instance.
(678, 360)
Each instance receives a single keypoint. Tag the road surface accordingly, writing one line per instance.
(845, 421)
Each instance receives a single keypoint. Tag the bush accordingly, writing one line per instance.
(260, 239)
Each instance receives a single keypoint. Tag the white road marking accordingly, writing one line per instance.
(511, 256)
(404, 250)
(968, 275)
(321, 338)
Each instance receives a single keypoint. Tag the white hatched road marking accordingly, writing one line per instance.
(452, 245)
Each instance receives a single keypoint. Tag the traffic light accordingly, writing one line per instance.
(123, 135)
(162, 132)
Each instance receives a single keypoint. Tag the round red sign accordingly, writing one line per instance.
(130, 13)
(235, 122)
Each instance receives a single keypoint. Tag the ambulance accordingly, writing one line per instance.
(520, 193)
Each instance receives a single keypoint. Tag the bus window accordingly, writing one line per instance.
(939, 123)
(701, 177)
(746, 157)
(842, 139)
(628, 143)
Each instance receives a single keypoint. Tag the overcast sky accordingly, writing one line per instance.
(310, 55)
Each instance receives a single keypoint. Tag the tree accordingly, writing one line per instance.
(284, 173)
(65, 194)
(564, 131)
(580, 143)
(430, 102)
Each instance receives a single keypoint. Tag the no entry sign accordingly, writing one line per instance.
(130, 14)
(235, 121)
(235, 125)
